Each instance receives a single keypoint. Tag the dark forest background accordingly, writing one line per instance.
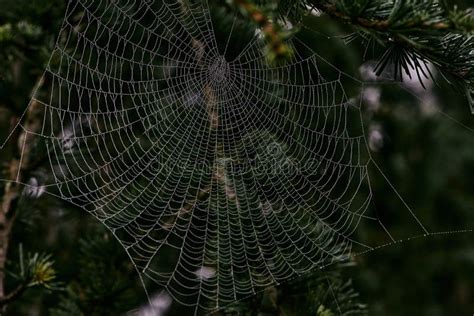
(422, 139)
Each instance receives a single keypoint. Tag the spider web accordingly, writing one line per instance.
(219, 174)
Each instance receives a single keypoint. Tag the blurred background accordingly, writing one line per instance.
(421, 138)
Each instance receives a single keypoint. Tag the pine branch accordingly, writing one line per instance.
(278, 50)
(414, 33)
(13, 295)
(384, 23)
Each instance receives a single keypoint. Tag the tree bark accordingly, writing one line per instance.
(17, 172)
(7, 212)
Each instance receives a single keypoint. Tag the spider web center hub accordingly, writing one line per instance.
(219, 73)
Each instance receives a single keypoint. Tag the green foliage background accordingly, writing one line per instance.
(428, 156)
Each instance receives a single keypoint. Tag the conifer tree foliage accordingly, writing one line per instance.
(250, 225)
(413, 32)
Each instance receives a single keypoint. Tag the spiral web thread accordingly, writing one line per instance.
(219, 174)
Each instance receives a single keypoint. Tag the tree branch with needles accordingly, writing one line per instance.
(414, 33)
